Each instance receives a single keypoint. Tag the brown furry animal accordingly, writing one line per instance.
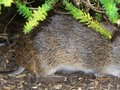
(65, 44)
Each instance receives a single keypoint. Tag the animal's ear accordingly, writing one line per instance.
(115, 34)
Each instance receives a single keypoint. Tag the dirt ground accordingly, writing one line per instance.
(24, 82)
(27, 81)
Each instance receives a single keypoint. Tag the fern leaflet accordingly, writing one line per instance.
(24, 10)
(6, 3)
(87, 19)
(111, 10)
(38, 15)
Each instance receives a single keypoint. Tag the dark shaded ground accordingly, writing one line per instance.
(23, 82)
(27, 81)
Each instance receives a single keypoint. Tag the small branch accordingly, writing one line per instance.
(92, 7)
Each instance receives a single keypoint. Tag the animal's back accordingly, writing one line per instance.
(67, 44)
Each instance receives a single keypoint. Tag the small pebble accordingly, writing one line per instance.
(58, 86)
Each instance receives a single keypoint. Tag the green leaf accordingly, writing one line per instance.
(87, 19)
(7, 3)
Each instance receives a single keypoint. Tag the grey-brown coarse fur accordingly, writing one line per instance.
(68, 45)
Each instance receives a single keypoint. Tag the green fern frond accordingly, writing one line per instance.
(87, 19)
(33, 21)
(111, 10)
(24, 10)
(29, 25)
(117, 1)
(38, 15)
(6, 3)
